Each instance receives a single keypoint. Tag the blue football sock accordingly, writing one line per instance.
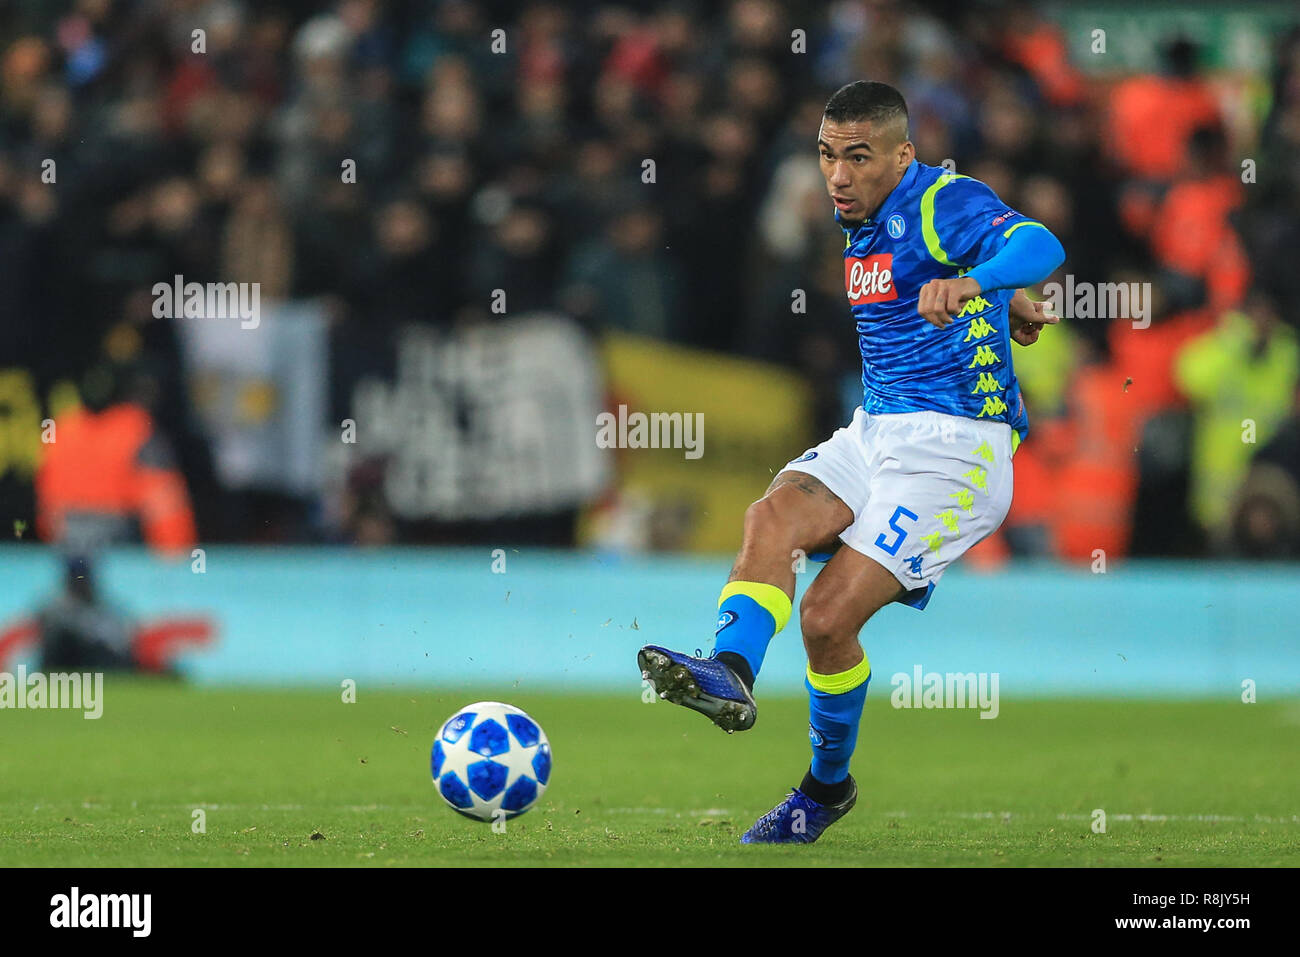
(834, 711)
(749, 614)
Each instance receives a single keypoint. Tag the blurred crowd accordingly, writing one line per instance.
(520, 165)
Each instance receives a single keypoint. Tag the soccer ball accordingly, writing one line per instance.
(490, 760)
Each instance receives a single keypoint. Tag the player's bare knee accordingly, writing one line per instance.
(825, 626)
(766, 522)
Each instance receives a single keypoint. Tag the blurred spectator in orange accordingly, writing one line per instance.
(1151, 120)
(1145, 356)
(1191, 235)
(1038, 46)
(1152, 117)
(1095, 489)
(108, 471)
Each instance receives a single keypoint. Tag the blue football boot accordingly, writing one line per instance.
(705, 685)
(785, 824)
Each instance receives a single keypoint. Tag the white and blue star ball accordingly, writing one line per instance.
(490, 757)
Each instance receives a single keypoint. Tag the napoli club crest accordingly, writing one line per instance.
(896, 225)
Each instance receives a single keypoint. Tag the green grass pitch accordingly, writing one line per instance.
(1182, 783)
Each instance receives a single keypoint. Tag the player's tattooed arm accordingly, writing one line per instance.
(1028, 317)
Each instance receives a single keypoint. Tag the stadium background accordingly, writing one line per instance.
(397, 447)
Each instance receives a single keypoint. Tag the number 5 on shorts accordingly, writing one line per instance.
(891, 548)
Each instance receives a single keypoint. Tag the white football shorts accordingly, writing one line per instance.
(923, 487)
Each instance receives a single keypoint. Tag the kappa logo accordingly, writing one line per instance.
(897, 226)
(870, 278)
(726, 619)
(815, 737)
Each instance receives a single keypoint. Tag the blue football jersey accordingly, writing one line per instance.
(933, 225)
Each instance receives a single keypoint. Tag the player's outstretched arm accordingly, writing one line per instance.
(1026, 254)
(1029, 255)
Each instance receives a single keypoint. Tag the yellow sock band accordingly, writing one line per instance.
(842, 682)
(770, 598)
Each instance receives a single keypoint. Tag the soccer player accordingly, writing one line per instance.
(934, 263)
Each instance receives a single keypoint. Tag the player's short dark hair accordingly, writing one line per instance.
(867, 100)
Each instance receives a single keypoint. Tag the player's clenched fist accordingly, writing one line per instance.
(942, 299)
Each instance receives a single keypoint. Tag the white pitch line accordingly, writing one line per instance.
(692, 812)
(211, 806)
(960, 815)
(1152, 818)
(724, 812)
(1256, 819)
